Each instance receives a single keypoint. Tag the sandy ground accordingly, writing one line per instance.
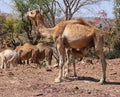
(32, 81)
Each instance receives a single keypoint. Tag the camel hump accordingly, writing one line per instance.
(84, 22)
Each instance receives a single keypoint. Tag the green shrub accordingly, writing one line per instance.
(116, 42)
(112, 54)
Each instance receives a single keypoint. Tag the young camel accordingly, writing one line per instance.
(45, 52)
(75, 54)
(75, 34)
(8, 57)
(27, 51)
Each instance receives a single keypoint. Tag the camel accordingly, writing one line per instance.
(27, 51)
(8, 57)
(45, 52)
(75, 34)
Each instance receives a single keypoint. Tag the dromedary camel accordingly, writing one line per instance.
(27, 51)
(45, 52)
(8, 57)
(75, 34)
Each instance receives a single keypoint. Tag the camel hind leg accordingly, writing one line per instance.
(98, 40)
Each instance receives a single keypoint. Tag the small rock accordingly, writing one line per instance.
(39, 94)
(10, 74)
(76, 87)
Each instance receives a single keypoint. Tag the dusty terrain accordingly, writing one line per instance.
(32, 81)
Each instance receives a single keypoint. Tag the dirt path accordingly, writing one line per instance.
(31, 81)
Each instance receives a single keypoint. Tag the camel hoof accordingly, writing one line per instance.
(55, 65)
(48, 69)
(75, 77)
(65, 76)
(101, 82)
(57, 80)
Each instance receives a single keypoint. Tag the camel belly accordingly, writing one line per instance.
(79, 43)
(77, 36)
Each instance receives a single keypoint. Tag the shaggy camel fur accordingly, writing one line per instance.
(45, 52)
(27, 51)
(8, 57)
(75, 34)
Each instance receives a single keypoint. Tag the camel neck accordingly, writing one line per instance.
(46, 32)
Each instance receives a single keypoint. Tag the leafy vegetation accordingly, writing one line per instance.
(114, 37)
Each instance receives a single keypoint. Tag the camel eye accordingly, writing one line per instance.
(31, 12)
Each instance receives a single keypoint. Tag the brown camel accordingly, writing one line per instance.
(45, 52)
(75, 34)
(27, 51)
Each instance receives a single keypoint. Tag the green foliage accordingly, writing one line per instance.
(18, 26)
(117, 14)
(2, 18)
(112, 54)
(21, 6)
(9, 22)
(13, 25)
(2, 26)
(114, 40)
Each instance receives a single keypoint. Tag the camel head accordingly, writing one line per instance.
(34, 15)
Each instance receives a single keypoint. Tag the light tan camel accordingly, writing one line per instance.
(75, 34)
(8, 57)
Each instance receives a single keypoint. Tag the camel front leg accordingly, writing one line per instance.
(48, 64)
(48, 60)
(66, 67)
(61, 53)
(61, 63)
(4, 65)
(2, 62)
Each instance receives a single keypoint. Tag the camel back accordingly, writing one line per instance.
(59, 28)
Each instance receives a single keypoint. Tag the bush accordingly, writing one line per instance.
(114, 45)
(116, 42)
(112, 54)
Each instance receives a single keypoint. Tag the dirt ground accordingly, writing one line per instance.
(31, 81)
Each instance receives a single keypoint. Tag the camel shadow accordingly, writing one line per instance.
(91, 79)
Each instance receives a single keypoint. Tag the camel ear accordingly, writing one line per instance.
(41, 11)
(37, 11)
